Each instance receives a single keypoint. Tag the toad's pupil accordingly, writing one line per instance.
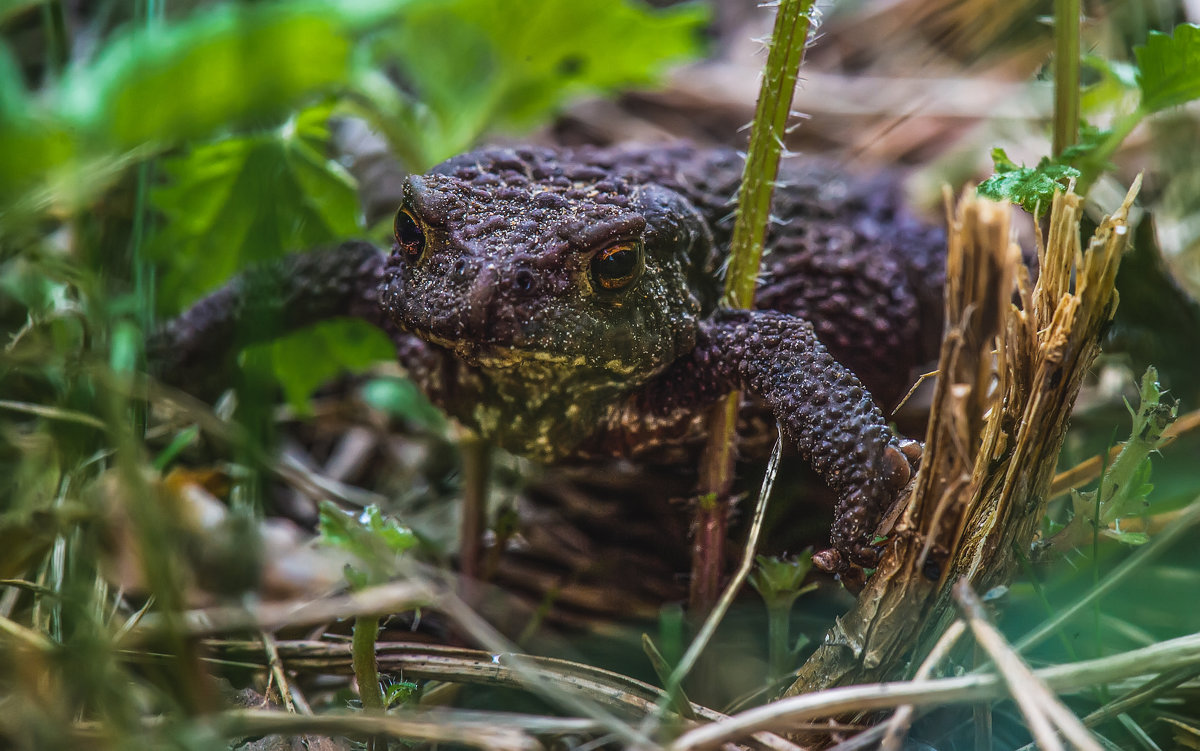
(408, 233)
(615, 267)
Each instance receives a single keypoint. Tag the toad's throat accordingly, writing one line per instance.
(534, 403)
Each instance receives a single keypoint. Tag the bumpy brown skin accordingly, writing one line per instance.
(499, 315)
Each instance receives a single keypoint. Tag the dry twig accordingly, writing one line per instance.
(899, 724)
(789, 713)
(1010, 374)
(1042, 710)
(381, 600)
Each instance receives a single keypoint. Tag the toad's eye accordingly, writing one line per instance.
(617, 265)
(409, 235)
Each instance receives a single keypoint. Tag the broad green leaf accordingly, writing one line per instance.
(1031, 187)
(304, 360)
(247, 199)
(220, 66)
(474, 64)
(152, 87)
(1169, 68)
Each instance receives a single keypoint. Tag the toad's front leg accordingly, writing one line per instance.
(821, 407)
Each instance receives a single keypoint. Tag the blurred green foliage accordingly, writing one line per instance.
(265, 79)
(469, 65)
(374, 541)
(149, 151)
(148, 89)
(1166, 75)
(231, 203)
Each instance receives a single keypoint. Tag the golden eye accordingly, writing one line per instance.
(409, 235)
(617, 265)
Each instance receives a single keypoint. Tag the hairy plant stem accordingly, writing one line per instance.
(1066, 74)
(785, 53)
(366, 670)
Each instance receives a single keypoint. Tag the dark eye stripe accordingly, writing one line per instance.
(618, 265)
(409, 235)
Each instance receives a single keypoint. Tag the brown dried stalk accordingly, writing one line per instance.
(1009, 377)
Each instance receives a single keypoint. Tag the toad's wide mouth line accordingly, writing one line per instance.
(493, 356)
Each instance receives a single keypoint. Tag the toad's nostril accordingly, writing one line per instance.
(460, 268)
(524, 280)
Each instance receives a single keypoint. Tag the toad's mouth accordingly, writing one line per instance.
(491, 356)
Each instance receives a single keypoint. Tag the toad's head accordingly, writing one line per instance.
(565, 285)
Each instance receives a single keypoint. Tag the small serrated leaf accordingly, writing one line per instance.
(375, 541)
(401, 692)
(1168, 68)
(1001, 161)
(1032, 188)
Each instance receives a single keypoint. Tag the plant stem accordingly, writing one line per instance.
(786, 51)
(779, 650)
(366, 671)
(1066, 74)
(476, 459)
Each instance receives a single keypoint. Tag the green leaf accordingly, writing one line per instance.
(401, 692)
(1001, 161)
(475, 64)
(12, 90)
(224, 64)
(1129, 538)
(779, 579)
(181, 441)
(401, 397)
(303, 360)
(1091, 139)
(231, 64)
(1031, 187)
(247, 199)
(1168, 68)
(1118, 82)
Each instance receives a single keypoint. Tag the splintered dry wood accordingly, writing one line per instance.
(1011, 365)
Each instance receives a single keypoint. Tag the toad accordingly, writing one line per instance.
(566, 304)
